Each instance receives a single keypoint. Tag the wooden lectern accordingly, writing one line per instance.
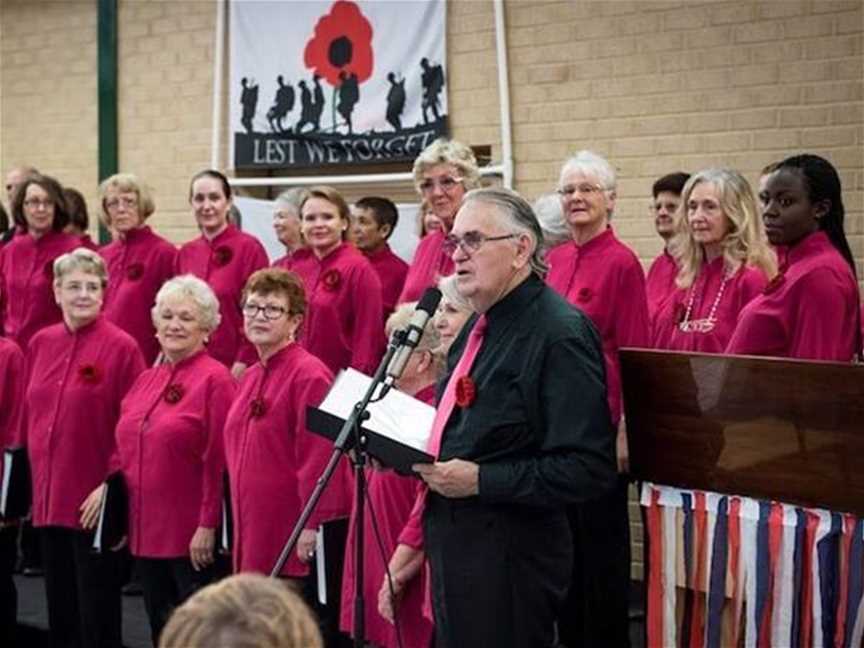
(787, 430)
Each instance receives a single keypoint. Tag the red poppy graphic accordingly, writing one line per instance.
(173, 393)
(774, 284)
(135, 271)
(679, 313)
(222, 256)
(258, 407)
(332, 279)
(466, 392)
(342, 42)
(585, 294)
(49, 271)
(90, 374)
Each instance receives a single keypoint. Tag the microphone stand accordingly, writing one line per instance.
(352, 426)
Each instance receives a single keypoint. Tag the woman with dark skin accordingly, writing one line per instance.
(810, 309)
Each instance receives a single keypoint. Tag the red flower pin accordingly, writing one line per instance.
(466, 392)
(257, 407)
(90, 374)
(774, 284)
(134, 272)
(332, 279)
(222, 255)
(585, 294)
(173, 393)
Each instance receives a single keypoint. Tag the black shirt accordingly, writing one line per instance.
(539, 426)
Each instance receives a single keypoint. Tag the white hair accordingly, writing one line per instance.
(193, 288)
(591, 165)
(551, 216)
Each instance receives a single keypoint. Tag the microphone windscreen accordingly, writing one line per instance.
(429, 301)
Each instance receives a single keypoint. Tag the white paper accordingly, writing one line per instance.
(397, 416)
(7, 475)
(321, 566)
(97, 538)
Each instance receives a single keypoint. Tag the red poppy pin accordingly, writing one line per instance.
(679, 313)
(466, 392)
(342, 43)
(49, 271)
(173, 393)
(332, 279)
(134, 272)
(585, 294)
(257, 408)
(222, 255)
(90, 374)
(774, 284)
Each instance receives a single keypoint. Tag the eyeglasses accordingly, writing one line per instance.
(271, 311)
(470, 242)
(447, 184)
(584, 189)
(114, 203)
(36, 203)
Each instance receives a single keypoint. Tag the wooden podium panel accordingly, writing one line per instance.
(775, 429)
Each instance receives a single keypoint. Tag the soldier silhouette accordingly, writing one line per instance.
(349, 95)
(307, 109)
(283, 103)
(318, 103)
(433, 83)
(249, 101)
(395, 101)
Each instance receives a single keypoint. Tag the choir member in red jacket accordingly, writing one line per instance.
(79, 218)
(169, 444)
(602, 277)
(79, 372)
(391, 499)
(224, 257)
(139, 260)
(12, 381)
(286, 223)
(443, 172)
(660, 282)
(374, 220)
(343, 324)
(810, 309)
(724, 262)
(26, 263)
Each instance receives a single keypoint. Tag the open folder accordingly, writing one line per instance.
(396, 432)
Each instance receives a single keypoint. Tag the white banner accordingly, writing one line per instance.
(316, 83)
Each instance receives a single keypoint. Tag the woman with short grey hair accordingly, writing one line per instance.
(286, 222)
(600, 275)
(170, 449)
(79, 372)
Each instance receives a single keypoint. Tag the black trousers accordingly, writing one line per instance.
(167, 582)
(499, 573)
(83, 590)
(8, 593)
(335, 538)
(596, 612)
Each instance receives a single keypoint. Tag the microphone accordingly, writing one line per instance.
(409, 337)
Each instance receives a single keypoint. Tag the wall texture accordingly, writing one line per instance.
(656, 86)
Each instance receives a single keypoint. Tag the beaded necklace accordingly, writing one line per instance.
(705, 325)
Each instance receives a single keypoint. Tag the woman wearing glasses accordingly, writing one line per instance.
(169, 442)
(27, 262)
(602, 277)
(224, 257)
(723, 262)
(267, 446)
(139, 260)
(443, 172)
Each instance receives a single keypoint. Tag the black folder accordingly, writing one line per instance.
(389, 452)
(113, 516)
(15, 491)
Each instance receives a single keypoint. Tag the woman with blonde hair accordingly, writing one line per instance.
(139, 260)
(443, 173)
(243, 610)
(724, 262)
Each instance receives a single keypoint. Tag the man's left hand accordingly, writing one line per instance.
(453, 478)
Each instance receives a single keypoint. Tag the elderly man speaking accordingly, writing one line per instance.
(522, 430)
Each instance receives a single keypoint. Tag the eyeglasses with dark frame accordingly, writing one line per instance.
(36, 203)
(271, 311)
(470, 242)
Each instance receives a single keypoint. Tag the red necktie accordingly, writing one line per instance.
(448, 400)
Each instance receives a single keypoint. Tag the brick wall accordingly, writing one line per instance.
(656, 86)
